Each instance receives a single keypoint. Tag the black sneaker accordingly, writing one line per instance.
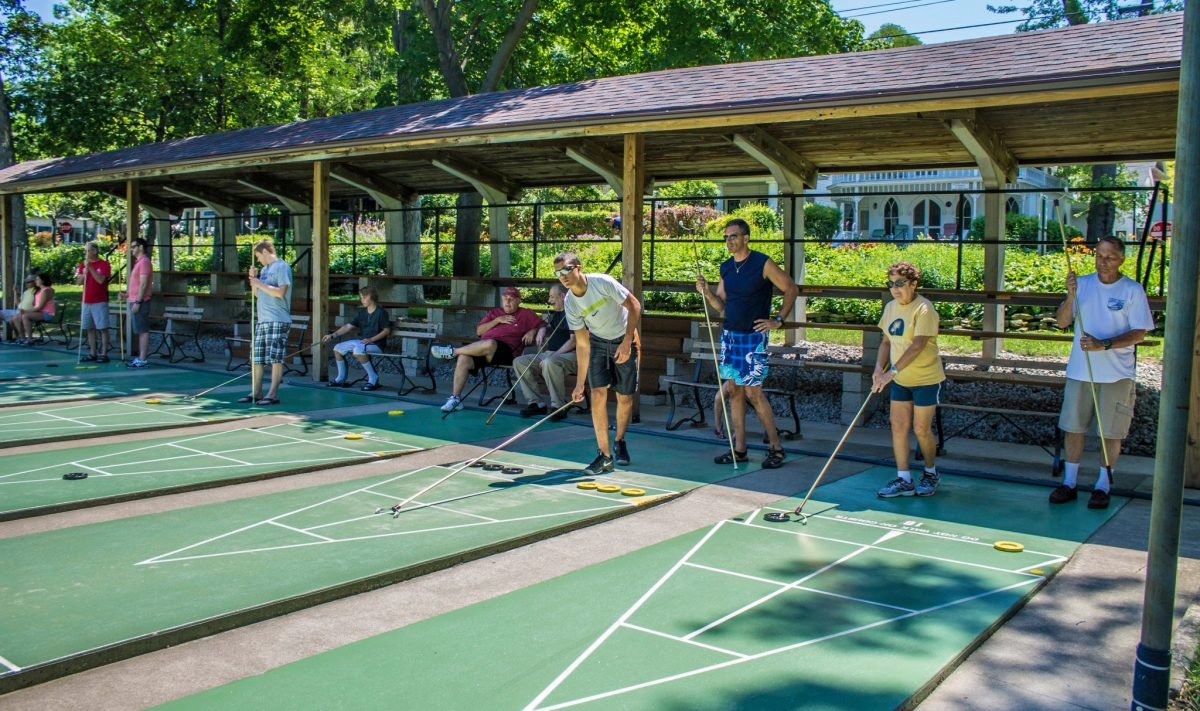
(102, 359)
(1063, 494)
(558, 416)
(621, 452)
(1099, 499)
(602, 464)
(370, 386)
(532, 409)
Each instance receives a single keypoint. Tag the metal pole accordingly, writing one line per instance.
(1152, 666)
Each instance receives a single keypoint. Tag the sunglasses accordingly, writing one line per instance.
(896, 284)
(565, 270)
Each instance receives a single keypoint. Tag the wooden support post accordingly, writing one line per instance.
(793, 226)
(634, 181)
(498, 239)
(7, 270)
(162, 242)
(993, 270)
(320, 265)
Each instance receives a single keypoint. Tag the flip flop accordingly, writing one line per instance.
(267, 401)
(247, 398)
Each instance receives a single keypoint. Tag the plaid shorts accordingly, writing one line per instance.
(270, 342)
(744, 357)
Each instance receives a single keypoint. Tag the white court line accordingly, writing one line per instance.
(9, 665)
(209, 454)
(319, 444)
(78, 423)
(204, 468)
(778, 583)
(158, 559)
(1052, 561)
(283, 515)
(790, 586)
(780, 650)
(299, 530)
(101, 472)
(675, 638)
(897, 551)
(914, 532)
(623, 619)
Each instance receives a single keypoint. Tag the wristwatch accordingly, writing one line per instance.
(1107, 344)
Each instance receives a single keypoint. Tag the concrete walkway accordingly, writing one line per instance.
(1071, 647)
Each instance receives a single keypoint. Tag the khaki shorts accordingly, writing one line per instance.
(1116, 407)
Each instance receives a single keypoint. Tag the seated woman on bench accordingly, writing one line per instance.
(43, 309)
(373, 327)
(13, 316)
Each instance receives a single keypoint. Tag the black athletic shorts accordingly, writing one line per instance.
(502, 356)
(603, 370)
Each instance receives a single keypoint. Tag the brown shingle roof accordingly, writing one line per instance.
(987, 65)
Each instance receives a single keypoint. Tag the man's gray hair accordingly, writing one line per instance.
(93, 246)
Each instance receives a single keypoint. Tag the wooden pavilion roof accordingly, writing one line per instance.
(1090, 93)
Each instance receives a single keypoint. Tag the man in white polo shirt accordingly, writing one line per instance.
(1116, 315)
(604, 316)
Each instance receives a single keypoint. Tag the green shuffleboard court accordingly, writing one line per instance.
(122, 587)
(106, 381)
(861, 608)
(33, 484)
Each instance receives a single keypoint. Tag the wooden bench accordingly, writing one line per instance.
(704, 378)
(181, 325)
(298, 345)
(1008, 415)
(408, 341)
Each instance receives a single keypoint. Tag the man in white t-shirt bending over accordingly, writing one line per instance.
(1116, 314)
(604, 317)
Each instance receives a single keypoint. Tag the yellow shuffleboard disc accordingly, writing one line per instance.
(154, 401)
(395, 412)
(86, 367)
(352, 435)
(1008, 546)
(608, 488)
(1038, 571)
(586, 485)
(633, 492)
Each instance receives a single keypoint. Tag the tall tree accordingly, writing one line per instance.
(21, 32)
(892, 35)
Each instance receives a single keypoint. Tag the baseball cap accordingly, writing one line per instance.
(511, 291)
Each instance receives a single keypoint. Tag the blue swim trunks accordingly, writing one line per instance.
(744, 357)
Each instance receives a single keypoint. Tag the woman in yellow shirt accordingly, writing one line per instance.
(910, 367)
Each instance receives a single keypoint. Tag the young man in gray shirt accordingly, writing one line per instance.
(273, 320)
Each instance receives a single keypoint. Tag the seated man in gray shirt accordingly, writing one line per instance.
(544, 374)
(373, 327)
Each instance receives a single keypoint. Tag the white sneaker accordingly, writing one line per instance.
(442, 351)
(453, 403)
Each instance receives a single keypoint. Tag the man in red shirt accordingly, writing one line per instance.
(94, 274)
(504, 333)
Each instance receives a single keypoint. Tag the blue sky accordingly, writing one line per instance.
(946, 13)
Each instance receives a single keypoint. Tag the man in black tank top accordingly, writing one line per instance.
(743, 296)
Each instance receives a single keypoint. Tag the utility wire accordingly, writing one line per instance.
(962, 27)
(900, 9)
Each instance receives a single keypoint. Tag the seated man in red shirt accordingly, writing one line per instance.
(504, 332)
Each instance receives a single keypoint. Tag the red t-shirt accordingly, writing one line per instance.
(95, 292)
(510, 334)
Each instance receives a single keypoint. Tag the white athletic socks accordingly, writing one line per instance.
(1070, 474)
(341, 366)
(905, 475)
(931, 470)
(1103, 483)
(372, 376)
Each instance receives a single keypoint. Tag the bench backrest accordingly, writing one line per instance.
(183, 313)
(425, 330)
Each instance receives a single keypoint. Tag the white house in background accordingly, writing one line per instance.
(901, 204)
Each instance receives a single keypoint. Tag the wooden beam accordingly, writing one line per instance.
(282, 191)
(792, 171)
(996, 163)
(206, 196)
(634, 179)
(494, 187)
(372, 184)
(145, 202)
(7, 269)
(319, 284)
(600, 161)
(133, 211)
(1125, 87)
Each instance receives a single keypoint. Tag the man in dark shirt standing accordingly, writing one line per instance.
(743, 295)
(373, 327)
(544, 376)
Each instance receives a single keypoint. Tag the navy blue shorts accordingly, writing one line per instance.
(920, 396)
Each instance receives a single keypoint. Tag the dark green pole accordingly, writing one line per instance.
(1152, 668)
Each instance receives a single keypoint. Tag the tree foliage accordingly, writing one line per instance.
(890, 34)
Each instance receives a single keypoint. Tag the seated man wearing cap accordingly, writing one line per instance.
(504, 332)
(13, 316)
